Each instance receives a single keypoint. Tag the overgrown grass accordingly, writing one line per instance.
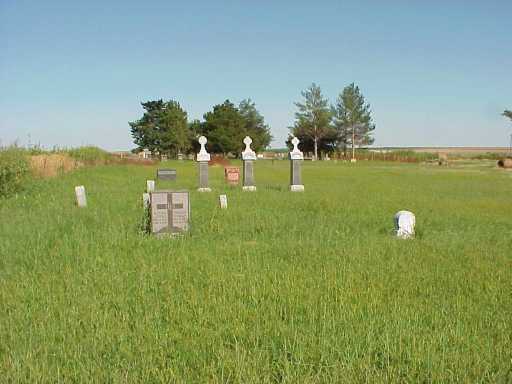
(90, 155)
(14, 170)
(278, 288)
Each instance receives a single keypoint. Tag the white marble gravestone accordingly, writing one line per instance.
(81, 199)
(150, 186)
(203, 158)
(223, 201)
(145, 200)
(296, 158)
(405, 222)
(248, 158)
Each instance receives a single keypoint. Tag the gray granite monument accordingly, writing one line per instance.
(296, 158)
(248, 158)
(170, 212)
(203, 158)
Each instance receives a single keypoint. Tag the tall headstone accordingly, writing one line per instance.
(248, 158)
(81, 199)
(203, 158)
(296, 158)
(405, 222)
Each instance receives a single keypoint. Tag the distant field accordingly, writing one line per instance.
(457, 150)
(278, 288)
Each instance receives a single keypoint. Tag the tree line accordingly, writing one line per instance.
(164, 128)
(322, 127)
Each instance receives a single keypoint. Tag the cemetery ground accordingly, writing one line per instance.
(280, 287)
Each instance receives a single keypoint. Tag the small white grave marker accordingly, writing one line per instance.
(150, 186)
(81, 199)
(404, 224)
(223, 201)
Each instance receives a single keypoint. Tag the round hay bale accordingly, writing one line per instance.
(505, 163)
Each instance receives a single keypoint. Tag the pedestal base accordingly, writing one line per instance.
(204, 189)
(250, 188)
(296, 188)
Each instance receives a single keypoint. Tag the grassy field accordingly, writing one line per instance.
(279, 288)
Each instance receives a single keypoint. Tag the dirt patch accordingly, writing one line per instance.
(218, 160)
(52, 165)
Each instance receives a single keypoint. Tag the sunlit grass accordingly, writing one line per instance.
(280, 287)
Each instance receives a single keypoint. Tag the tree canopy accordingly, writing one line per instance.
(313, 118)
(163, 128)
(507, 113)
(352, 119)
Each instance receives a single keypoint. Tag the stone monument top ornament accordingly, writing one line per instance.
(248, 153)
(296, 153)
(203, 155)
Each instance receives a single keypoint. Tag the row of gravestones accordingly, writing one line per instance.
(248, 159)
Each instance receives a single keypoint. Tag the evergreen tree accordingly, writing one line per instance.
(255, 126)
(312, 121)
(225, 128)
(163, 128)
(507, 113)
(352, 119)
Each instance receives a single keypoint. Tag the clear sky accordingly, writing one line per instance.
(436, 73)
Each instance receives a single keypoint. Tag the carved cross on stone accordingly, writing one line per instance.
(296, 153)
(248, 153)
(203, 155)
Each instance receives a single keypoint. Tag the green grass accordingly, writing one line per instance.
(279, 288)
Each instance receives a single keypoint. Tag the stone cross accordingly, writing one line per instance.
(248, 157)
(296, 158)
(405, 222)
(203, 158)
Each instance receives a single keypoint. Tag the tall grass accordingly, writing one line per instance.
(279, 288)
(14, 170)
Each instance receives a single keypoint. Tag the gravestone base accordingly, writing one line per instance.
(353, 160)
(204, 189)
(249, 188)
(296, 188)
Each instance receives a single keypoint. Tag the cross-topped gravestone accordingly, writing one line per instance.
(248, 157)
(203, 158)
(296, 158)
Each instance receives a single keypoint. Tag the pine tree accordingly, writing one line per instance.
(352, 119)
(313, 118)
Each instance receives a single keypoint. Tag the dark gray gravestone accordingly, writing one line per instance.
(248, 158)
(170, 212)
(203, 175)
(166, 174)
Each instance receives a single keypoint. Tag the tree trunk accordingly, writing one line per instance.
(353, 142)
(316, 148)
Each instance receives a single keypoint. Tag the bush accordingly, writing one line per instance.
(90, 155)
(14, 170)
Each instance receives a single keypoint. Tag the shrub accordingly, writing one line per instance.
(14, 170)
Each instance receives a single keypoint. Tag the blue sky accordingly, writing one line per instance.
(436, 73)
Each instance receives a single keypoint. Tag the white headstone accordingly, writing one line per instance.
(81, 199)
(296, 153)
(405, 222)
(203, 155)
(248, 153)
(223, 201)
(150, 186)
